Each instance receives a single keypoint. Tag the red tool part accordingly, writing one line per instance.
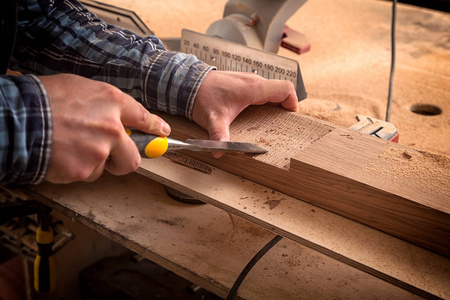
(295, 41)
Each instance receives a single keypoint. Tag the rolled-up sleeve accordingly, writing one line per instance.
(62, 36)
(25, 130)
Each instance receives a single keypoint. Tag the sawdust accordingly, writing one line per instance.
(347, 135)
(253, 128)
(427, 172)
(241, 225)
(189, 162)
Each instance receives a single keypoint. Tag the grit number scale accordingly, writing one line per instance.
(229, 56)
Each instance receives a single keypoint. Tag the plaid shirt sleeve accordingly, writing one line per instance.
(61, 36)
(25, 130)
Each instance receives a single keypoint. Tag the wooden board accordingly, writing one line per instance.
(413, 268)
(209, 246)
(399, 190)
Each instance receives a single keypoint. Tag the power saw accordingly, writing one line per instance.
(246, 39)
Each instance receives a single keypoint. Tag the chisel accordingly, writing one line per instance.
(153, 146)
(44, 264)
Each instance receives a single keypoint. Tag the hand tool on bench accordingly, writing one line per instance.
(44, 264)
(153, 146)
(381, 129)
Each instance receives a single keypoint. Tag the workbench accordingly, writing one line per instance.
(209, 245)
(322, 254)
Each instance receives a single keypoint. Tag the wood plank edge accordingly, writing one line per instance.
(436, 239)
(278, 230)
(207, 283)
(411, 221)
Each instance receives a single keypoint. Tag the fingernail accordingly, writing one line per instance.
(217, 154)
(165, 127)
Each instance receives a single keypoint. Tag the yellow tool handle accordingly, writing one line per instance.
(149, 145)
(44, 264)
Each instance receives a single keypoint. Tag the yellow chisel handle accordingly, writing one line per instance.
(149, 145)
(44, 264)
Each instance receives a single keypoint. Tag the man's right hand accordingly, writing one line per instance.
(88, 128)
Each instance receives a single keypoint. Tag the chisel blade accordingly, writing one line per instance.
(209, 145)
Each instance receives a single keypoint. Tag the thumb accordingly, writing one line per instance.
(219, 131)
(135, 115)
(157, 126)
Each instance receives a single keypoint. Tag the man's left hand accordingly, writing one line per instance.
(223, 95)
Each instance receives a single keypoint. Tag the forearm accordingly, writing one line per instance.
(68, 39)
(26, 130)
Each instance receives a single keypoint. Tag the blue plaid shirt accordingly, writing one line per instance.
(61, 36)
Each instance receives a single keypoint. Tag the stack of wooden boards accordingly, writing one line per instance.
(324, 255)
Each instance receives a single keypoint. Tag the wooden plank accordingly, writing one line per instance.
(408, 190)
(207, 245)
(390, 187)
(414, 268)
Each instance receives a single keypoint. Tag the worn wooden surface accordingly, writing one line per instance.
(210, 246)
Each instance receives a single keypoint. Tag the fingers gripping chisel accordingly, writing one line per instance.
(153, 146)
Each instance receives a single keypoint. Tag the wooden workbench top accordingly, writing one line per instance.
(346, 74)
(210, 246)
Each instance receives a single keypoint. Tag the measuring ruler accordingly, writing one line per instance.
(230, 56)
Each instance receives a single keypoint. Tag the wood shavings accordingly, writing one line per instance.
(407, 155)
(264, 141)
(253, 128)
(272, 203)
(189, 162)
(347, 135)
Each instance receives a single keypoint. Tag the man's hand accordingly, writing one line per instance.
(223, 95)
(88, 128)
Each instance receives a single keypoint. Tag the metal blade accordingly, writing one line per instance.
(208, 145)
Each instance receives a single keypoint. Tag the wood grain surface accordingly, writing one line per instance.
(393, 188)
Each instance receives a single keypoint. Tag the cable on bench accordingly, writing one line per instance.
(391, 76)
(249, 266)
